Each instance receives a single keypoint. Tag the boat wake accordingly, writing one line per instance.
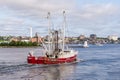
(25, 71)
(10, 69)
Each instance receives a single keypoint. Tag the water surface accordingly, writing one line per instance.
(99, 63)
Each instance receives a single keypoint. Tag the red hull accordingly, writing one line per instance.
(46, 60)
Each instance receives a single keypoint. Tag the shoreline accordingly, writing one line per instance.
(19, 46)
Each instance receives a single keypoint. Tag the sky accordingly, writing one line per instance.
(100, 17)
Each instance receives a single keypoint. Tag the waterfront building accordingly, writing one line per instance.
(36, 39)
(113, 37)
(82, 37)
(20, 38)
(93, 36)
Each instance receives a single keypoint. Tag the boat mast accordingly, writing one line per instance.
(64, 25)
(49, 29)
(56, 40)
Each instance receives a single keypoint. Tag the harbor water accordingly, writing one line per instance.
(96, 63)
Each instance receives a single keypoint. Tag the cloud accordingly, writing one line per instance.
(38, 6)
(95, 14)
(91, 11)
(21, 14)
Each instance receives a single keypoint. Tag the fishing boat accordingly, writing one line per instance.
(55, 50)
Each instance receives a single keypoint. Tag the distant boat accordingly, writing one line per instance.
(99, 44)
(85, 45)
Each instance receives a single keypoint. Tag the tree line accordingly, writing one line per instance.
(19, 43)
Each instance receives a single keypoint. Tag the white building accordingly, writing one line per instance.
(113, 37)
